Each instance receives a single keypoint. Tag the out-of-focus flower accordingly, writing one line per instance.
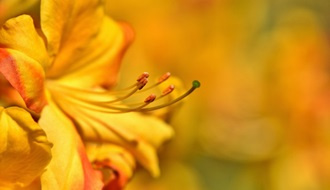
(63, 66)
(263, 114)
(24, 149)
(302, 56)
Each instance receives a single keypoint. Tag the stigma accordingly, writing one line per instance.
(122, 100)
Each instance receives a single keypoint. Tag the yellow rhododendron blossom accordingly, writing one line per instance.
(63, 65)
(24, 148)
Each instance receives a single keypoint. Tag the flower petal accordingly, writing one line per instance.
(25, 75)
(11, 8)
(116, 164)
(20, 34)
(8, 95)
(69, 26)
(98, 61)
(140, 134)
(69, 168)
(24, 149)
(22, 58)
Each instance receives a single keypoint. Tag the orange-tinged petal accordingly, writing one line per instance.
(35, 185)
(69, 168)
(98, 62)
(20, 34)
(22, 58)
(25, 75)
(24, 148)
(116, 164)
(8, 95)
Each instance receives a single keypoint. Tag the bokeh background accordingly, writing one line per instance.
(261, 119)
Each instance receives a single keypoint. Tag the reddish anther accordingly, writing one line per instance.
(142, 83)
(164, 77)
(150, 98)
(168, 90)
(143, 76)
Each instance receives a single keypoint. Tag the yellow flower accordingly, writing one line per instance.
(24, 148)
(63, 66)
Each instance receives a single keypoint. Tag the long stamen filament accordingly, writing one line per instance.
(123, 97)
(99, 100)
(107, 108)
(83, 93)
(141, 83)
(143, 76)
(103, 107)
(165, 92)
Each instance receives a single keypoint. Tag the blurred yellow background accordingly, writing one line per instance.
(261, 119)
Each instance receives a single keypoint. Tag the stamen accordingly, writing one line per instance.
(83, 101)
(142, 82)
(161, 79)
(105, 102)
(164, 77)
(165, 92)
(143, 76)
(106, 108)
(150, 98)
(168, 90)
(195, 84)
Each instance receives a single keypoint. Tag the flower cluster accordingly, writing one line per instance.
(68, 128)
